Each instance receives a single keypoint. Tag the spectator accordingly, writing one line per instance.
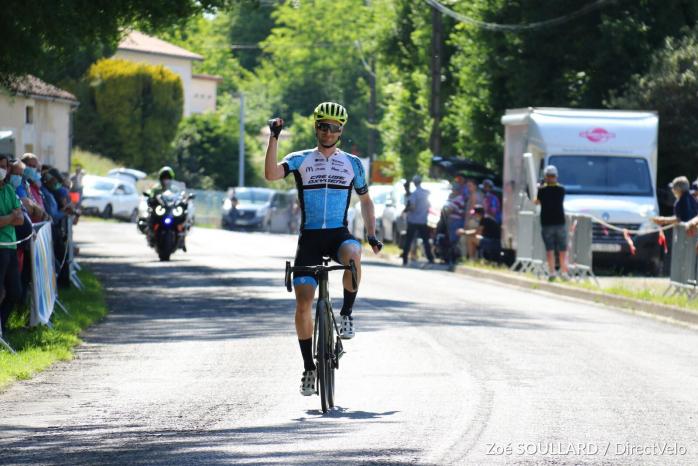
(17, 180)
(417, 216)
(32, 174)
(460, 181)
(551, 197)
(490, 201)
(76, 183)
(685, 207)
(61, 192)
(486, 239)
(474, 198)
(456, 211)
(10, 216)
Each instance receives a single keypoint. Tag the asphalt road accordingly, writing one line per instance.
(197, 363)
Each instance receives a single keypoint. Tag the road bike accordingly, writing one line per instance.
(327, 346)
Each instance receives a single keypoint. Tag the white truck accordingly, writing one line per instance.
(607, 161)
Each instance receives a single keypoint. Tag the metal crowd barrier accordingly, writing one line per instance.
(682, 278)
(579, 247)
(530, 252)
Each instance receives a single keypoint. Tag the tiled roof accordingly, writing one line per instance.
(138, 42)
(31, 86)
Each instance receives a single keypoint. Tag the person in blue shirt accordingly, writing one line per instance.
(685, 207)
(325, 176)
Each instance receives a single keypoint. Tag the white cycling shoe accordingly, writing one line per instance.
(346, 329)
(308, 383)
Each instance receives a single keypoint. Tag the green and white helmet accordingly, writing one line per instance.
(166, 170)
(331, 111)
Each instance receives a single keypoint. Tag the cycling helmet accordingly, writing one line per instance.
(166, 170)
(331, 111)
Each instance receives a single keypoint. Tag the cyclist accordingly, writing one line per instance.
(324, 176)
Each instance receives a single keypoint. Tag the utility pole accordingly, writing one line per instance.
(371, 143)
(436, 51)
(241, 150)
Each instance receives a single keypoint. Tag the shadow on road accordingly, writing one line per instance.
(141, 444)
(184, 301)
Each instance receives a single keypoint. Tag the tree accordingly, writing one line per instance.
(670, 87)
(578, 64)
(316, 52)
(129, 112)
(206, 152)
(44, 38)
(209, 36)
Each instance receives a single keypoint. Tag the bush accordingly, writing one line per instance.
(129, 112)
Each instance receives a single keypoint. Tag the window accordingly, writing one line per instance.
(596, 174)
(29, 148)
(29, 115)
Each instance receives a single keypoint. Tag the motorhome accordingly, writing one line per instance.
(607, 161)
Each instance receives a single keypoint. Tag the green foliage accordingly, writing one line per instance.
(206, 152)
(129, 112)
(670, 86)
(209, 36)
(577, 64)
(315, 54)
(39, 347)
(92, 163)
(250, 23)
(48, 38)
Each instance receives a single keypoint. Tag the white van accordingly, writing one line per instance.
(607, 161)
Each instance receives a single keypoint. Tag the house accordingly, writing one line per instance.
(200, 90)
(37, 117)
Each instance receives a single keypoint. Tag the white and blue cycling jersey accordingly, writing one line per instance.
(324, 185)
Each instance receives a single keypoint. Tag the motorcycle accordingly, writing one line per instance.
(167, 224)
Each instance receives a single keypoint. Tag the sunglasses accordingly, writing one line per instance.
(331, 127)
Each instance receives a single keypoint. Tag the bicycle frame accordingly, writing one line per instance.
(327, 346)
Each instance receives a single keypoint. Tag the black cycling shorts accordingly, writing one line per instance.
(313, 245)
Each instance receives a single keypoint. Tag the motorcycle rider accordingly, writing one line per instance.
(165, 176)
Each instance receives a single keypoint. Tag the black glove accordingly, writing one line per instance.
(373, 241)
(275, 127)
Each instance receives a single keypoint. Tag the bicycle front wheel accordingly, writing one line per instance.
(325, 369)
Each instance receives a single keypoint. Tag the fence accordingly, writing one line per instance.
(208, 206)
(530, 253)
(682, 277)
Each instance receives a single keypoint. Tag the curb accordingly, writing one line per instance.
(628, 304)
(631, 305)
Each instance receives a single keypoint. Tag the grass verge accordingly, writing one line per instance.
(92, 163)
(39, 347)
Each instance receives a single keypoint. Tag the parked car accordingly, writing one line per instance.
(380, 193)
(127, 174)
(251, 210)
(109, 197)
(282, 214)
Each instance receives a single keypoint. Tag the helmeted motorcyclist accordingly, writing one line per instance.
(165, 177)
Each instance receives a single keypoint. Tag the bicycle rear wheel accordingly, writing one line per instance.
(325, 370)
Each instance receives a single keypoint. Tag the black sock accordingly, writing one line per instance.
(307, 352)
(348, 304)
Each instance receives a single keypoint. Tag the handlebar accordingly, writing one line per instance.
(316, 270)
